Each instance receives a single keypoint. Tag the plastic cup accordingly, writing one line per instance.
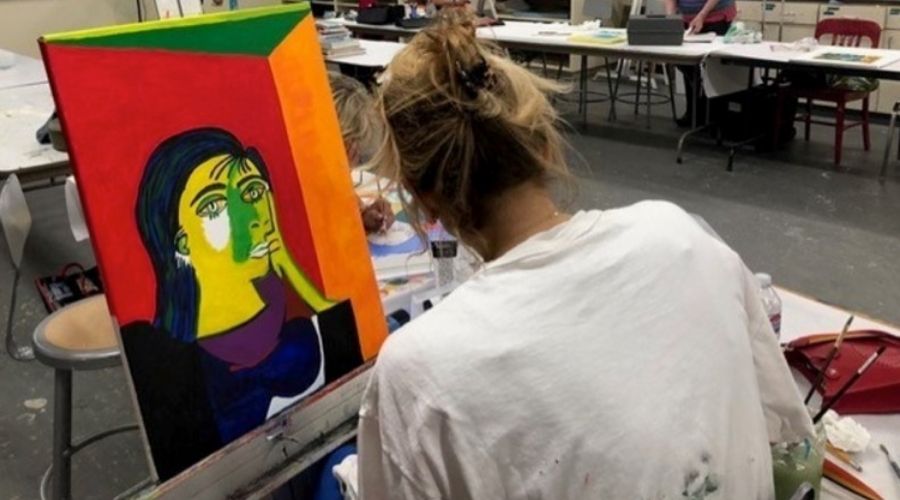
(794, 464)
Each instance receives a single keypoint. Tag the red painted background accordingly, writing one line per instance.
(117, 105)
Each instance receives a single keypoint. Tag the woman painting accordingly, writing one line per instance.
(239, 331)
(614, 354)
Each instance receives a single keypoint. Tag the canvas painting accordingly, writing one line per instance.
(853, 57)
(222, 214)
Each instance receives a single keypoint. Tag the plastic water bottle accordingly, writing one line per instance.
(771, 302)
(444, 253)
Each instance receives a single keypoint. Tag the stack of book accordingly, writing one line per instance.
(336, 39)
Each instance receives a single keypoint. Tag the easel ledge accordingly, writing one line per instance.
(257, 464)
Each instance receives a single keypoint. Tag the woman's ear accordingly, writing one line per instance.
(181, 243)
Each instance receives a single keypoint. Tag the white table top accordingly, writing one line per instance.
(379, 28)
(804, 316)
(553, 35)
(378, 54)
(781, 53)
(22, 111)
(24, 71)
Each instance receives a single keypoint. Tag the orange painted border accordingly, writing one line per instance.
(298, 70)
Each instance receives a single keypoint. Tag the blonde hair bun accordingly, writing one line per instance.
(464, 123)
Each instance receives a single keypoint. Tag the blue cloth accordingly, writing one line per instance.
(329, 488)
(240, 399)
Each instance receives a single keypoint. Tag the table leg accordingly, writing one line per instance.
(615, 93)
(694, 112)
(670, 76)
(650, 72)
(583, 84)
(612, 94)
(696, 93)
(637, 91)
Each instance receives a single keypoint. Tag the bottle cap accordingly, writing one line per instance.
(765, 279)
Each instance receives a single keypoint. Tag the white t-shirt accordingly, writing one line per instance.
(623, 354)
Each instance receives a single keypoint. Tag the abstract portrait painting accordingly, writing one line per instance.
(223, 218)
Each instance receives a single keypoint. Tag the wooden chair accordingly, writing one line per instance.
(842, 32)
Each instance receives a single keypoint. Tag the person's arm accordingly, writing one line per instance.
(787, 418)
(671, 7)
(287, 270)
(377, 216)
(696, 24)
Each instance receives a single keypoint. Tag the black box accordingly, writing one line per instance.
(655, 30)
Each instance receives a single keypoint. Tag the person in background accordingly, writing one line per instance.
(622, 353)
(700, 16)
(361, 131)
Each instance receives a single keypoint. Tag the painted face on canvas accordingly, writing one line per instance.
(226, 218)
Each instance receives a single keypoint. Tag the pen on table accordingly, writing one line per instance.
(862, 369)
(894, 464)
(831, 355)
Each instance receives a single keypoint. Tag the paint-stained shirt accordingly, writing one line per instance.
(623, 354)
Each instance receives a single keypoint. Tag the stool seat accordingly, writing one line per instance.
(79, 336)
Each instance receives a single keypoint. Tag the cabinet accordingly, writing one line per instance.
(799, 18)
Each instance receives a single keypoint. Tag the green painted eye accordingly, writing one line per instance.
(212, 206)
(254, 192)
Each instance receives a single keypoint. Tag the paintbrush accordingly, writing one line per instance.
(847, 480)
(840, 393)
(843, 456)
(831, 355)
(894, 464)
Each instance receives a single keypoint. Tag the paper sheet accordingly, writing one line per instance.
(723, 79)
(14, 217)
(73, 208)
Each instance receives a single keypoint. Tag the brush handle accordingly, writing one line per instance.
(890, 460)
(862, 369)
(821, 376)
(831, 355)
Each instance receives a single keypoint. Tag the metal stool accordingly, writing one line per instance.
(890, 141)
(78, 337)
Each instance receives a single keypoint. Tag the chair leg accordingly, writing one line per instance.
(637, 91)
(867, 144)
(887, 147)
(647, 107)
(776, 132)
(670, 78)
(62, 435)
(807, 119)
(839, 132)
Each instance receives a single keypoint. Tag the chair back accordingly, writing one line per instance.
(846, 32)
(15, 218)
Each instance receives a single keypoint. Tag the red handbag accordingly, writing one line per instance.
(877, 391)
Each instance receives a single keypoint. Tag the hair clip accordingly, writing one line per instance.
(478, 78)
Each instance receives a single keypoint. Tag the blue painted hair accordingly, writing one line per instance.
(165, 177)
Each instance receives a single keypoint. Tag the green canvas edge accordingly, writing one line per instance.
(254, 33)
(203, 19)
